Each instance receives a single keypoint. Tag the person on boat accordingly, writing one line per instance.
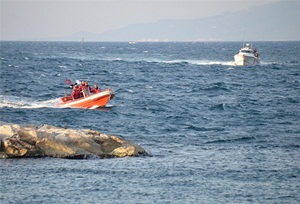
(87, 87)
(95, 89)
(75, 93)
(255, 52)
(81, 85)
(72, 85)
(81, 88)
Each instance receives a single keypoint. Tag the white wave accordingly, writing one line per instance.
(110, 106)
(26, 103)
(271, 63)
(178, 61)
(197, 62)
(148, 87)
(209, 62)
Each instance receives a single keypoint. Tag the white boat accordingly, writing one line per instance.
(246, 56)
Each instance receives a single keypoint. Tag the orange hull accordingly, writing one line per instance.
(92, 101)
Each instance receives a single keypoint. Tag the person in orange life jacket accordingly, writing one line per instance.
(95, 89)
(81, 87)
(85, 89)
(75, 93)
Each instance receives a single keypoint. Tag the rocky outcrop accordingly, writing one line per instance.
(50, 141)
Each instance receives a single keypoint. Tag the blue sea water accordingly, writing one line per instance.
(215, 133)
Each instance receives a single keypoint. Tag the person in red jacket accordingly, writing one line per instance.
(75, 93)
(95, 89)
(80, 88)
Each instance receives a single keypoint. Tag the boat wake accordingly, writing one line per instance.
(207, 62)
(200, 62)
(177, 61)
(26, 103)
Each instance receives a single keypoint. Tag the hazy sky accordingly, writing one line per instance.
(37, 19)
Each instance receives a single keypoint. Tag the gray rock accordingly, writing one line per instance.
(19, 141)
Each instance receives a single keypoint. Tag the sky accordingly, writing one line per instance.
(42, 19)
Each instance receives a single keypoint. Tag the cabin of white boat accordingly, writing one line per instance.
(247, 49)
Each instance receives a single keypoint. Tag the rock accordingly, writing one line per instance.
(50, 141)
(28, 135)
(52, 148)
(14, 147)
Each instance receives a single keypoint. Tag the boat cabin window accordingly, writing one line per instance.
(246, 51)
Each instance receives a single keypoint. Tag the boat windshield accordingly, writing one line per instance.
(246, 51)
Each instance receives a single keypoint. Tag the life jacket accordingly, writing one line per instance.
(75, 94)
(95, 90)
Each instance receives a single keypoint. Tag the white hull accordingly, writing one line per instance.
(246, 56)
(245, 60)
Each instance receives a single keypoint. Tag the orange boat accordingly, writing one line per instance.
(92, 101)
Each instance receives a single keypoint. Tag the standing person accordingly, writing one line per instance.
(87, 89)
(95, 89)
(81, 88)
(81, 85)
(75, 93)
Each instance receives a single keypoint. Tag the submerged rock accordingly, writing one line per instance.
(49, 141)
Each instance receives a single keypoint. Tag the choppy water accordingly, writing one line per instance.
(216, 133)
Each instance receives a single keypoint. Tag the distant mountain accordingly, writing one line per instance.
(270, 22)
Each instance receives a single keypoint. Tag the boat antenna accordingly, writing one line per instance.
(244, 36)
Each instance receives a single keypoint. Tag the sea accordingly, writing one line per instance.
(214, 132)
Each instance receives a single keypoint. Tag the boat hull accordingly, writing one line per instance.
(245, 60)
(246, 56)
(91, 102)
